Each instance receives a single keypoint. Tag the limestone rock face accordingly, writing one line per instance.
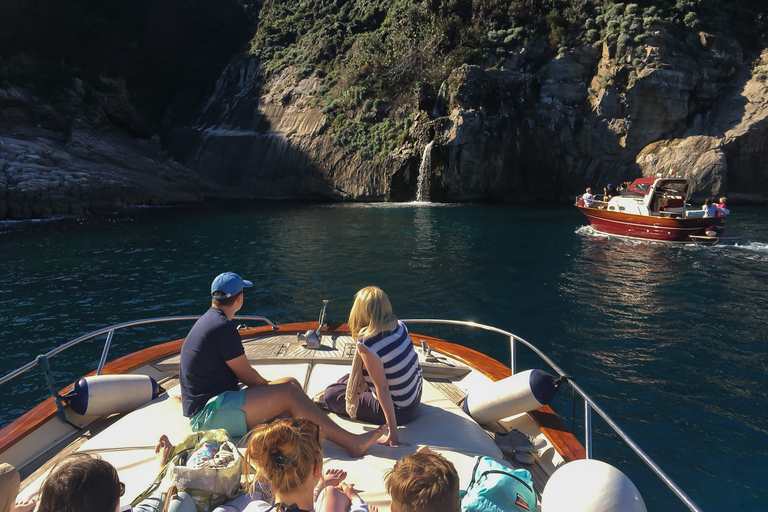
(275, 146)
(42, 175)
(698, 157)
(585, 117)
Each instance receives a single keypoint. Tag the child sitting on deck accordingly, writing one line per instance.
(288, 454)
(424, 481)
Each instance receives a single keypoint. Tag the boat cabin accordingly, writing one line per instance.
(654, 196)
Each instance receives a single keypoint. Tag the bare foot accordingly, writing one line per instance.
(334, 477)
(162, 449)
(23, 505)
(364, 441)
(372, 508)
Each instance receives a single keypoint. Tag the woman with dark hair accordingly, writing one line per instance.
(81, 483)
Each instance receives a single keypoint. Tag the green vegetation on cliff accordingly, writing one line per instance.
(382, 61)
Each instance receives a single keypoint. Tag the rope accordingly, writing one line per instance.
(42, 361)
(567, 378)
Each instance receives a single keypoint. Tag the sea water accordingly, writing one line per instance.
(669, 340)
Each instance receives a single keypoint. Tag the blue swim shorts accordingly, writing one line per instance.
(222, 411)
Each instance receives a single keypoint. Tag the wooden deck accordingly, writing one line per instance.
(266, 347)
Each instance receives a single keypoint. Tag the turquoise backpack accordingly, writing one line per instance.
(497, 488)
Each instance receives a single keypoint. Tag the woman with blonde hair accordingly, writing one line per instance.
(287, 456)
(389, 365)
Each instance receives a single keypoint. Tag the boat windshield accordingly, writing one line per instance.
(640, 187)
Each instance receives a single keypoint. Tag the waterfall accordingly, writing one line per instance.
(437, 110)
(422, 191)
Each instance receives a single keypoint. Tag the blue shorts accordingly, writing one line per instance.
(222, 411)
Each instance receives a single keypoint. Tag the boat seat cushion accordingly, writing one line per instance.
(129, 444)
(441, 425)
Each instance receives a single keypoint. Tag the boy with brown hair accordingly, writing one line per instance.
(423, 481)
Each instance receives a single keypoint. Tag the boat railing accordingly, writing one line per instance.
(589, 403)
(110, 332)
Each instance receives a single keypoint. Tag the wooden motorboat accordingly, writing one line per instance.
(52, 430)
(653, 209)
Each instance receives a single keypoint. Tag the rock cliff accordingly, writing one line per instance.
(363, 101)
(505, 133)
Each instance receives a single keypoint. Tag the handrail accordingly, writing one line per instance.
(110, 332)
(589, 404)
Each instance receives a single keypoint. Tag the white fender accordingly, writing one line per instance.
(589, 485)
(522, 392)
(98, 395)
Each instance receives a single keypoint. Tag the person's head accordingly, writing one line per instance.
(81, 483)
(423, 482)
(371, 312)
(287, 452)
(723, 200)
(610, 186)
(589, 190)
(227, 289)
(708, 202)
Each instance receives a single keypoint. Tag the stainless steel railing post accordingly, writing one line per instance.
(105, 351)
(588, 429)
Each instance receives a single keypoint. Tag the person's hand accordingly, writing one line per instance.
(348, 490)
(392, 439)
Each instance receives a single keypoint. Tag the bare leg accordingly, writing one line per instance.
(334, 501)
(266, 402)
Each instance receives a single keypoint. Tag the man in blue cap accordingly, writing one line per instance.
(213, 363)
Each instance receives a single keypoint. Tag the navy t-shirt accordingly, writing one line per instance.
(203, 370)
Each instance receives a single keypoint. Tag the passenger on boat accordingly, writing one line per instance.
(213, 363)
(10, 481)
(289, 455)
(608, 192)
(81, 483)
(423, 481)
(722, 208)
(711, 210)
(389, 364)
(588, 198)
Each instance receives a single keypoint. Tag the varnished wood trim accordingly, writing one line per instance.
(550, 424)
(46, 410)
(552, 427)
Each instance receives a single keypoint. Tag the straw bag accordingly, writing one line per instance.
(207, 484)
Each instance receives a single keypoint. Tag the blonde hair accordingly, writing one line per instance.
(371, 313)
(284, 453)
(423, 482)
(723, 199)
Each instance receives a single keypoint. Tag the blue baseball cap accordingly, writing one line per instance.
(230, 284)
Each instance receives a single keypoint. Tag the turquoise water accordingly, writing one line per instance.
(671, 341)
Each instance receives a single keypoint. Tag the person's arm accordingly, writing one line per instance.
(245, 372)
(376, 371)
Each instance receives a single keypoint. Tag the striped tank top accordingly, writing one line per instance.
(401, 364)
